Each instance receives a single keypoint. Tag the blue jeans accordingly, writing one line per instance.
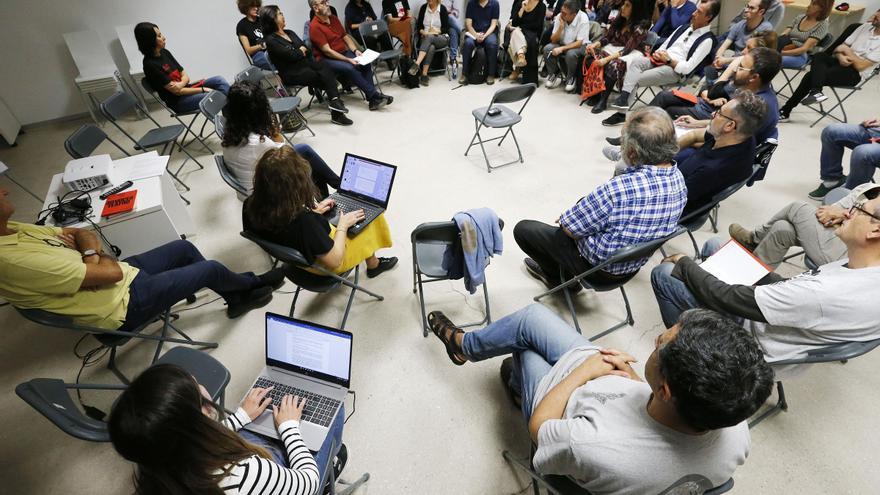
(795, 61)
(261, 60)
(454, 37)
(360, 75)
(172, 272)
(865, 156)
(279, 455)
(673, 296)
(190, 103)
(491, 46)
(536, 337)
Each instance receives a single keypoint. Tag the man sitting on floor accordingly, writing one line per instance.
(864, 141)
(593, 419)
(642, 204)
(65, 271)
(804, 225)
(677, 57)
(789, 317)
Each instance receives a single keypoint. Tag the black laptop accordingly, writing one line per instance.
(365, 185)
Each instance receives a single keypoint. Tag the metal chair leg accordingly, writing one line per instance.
(781, 405)
(293, 303)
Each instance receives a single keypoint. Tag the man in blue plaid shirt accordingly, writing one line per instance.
(642, 204)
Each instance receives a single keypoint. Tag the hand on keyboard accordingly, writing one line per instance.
(291, 408)
(346, 220)
(256, 401)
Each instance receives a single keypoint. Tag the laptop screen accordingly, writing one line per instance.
(367, 179)
(308, 348)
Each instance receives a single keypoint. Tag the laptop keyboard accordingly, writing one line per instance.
(318, 410)
(348, 204)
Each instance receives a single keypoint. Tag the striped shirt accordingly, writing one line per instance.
(255, 475)
(640, 205)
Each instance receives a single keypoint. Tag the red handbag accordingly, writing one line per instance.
(594, 78)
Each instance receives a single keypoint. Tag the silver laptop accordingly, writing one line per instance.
(365, 184)
(310, 361)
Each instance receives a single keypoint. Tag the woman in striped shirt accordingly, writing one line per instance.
(165, 422)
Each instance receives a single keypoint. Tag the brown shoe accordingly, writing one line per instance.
(514, 75)
(743, 236)
(520, 60)
(446, 331)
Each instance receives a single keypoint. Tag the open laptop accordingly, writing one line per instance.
(307, 360)
(366, 184)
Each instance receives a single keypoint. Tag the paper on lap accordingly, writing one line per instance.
(734, 264)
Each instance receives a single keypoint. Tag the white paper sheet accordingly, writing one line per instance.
(367, 57)
(734, 264)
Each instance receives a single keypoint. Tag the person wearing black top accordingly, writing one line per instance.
(296, 65)
(357, 12)
(433, 29)
(167, 77)
(398, 15)
(284, 209)
(526, 24)
(250, 33)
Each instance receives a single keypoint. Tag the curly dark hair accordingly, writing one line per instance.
(283, 188)
(245, 5)
(247, 111)
(715, 371)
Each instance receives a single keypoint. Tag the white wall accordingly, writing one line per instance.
(37, 72)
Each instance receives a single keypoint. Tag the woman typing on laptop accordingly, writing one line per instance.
(284, 209)
(166, 424)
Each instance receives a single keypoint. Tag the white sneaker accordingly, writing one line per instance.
(819, 97)
(570, 85)
(611, 152)
(553, 82)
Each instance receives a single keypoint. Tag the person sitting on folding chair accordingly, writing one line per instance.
(753, 20)
(804, 33)
(284, 209)
(523, 32)
(800, 224)
(399, 18)
(296, 65)
(332, 46)
(864, 141)
(849, 63)
(167, 77)
(433, 34)
(593, 419)
(480, 26)
(357, 12)
(565, 51)
(250, 33)
(65, 271)
(789, 317)
(642, 204)
(167, 424)
(251, 131)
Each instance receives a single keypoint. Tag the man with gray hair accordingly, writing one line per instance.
(642, 204)
(571, 32)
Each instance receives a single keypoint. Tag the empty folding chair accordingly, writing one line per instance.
(211, 106)
(85, 140)
(286, 107)
(377, 33)
(498, 116)
(161, 137)
(177, 116)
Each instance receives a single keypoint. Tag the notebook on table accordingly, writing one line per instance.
(365, 185)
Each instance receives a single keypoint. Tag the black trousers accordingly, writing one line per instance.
(824, 71)
(676, 107)
(313, 74)
(551, 248)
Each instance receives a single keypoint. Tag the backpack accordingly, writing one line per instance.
(406, 79)
(479, 67)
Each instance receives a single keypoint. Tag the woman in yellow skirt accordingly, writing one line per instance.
(284, 209)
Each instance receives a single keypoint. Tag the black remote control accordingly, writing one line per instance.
(121, 187)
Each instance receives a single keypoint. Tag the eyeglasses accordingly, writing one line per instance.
(740, 67)
(717, 113)
(50, 242)
(859, 207)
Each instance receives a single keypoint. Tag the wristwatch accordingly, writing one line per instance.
(88, 252)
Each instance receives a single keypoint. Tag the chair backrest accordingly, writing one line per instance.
(640, 250)
(149, 88)
(373, 29)
(252, 74)
(227, 176)
(284, 254)
(212, 104)
(763, 154)
(514, 94)
(84, 141)
(220, 125)
(49, 397)
(118, 105)
(824, 43)
(695, 219)
(435, 232)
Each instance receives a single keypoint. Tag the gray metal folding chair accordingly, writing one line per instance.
(377, 31)
(329, 480)
(51, 398)
(791, 75)
(219, 125)
(114, 338)
(430, 241)
(177, 116)
(842, 352)
(506, 119)
(286, 107)
(628, 253)
(230, 179)
(562, 485)
(164, 138)
(845, 92)
(85, 140)
(211, 106)
(295, 264)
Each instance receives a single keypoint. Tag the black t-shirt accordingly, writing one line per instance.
(308, 233)
(709, 171)
(285, 55)
(355, 14)
(251, 29)
(392, 7)
(161, 70)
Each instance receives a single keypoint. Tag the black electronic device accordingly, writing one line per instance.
(121, 187)
(493, 111)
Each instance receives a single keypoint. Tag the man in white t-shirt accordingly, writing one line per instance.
(821, 307)
(571, 31)
(594, 420)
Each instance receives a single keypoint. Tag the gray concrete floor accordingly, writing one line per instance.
(423, 425)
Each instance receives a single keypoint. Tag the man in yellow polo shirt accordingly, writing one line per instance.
(65, 271)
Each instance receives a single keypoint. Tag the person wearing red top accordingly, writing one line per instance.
(337, 50)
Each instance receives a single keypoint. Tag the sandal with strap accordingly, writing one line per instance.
(446, 331)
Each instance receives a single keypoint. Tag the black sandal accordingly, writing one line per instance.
(446, 331)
